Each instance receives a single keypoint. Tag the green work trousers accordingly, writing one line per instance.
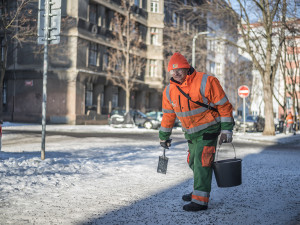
(201, 156)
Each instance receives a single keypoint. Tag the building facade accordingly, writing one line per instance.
(78, 90)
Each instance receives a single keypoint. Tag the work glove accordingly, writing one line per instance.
(165, 143)
(225, 137)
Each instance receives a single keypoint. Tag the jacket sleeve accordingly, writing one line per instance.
(168, 118)
(218, 97)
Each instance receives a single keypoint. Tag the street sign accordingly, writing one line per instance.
(243, 91)
(54, 21)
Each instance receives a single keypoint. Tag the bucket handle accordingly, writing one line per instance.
(219, 150)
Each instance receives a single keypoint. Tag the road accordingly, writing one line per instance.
(15, 136)
(83, 169)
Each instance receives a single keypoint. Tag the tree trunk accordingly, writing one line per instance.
(269, 121)
(127, 100)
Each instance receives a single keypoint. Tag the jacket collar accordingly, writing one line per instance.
(188, 79)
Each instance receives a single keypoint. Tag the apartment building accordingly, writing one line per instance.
(78, 90)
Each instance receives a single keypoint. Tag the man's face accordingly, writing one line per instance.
(179, 74)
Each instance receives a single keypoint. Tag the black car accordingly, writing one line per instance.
(119, 117)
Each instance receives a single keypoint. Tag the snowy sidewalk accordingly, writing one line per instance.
(113, 181)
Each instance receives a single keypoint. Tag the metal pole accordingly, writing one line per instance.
(46, 36)
(244, 113)
(193, 50)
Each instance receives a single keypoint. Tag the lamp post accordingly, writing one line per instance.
(193, 52)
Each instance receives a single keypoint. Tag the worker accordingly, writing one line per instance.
(289, 122)
(200, 103)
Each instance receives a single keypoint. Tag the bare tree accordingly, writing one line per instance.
(125, 64)
(181, 24)
(16, 26)
(263, 42)
(289, 66)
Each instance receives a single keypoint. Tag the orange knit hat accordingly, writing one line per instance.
(178, 61)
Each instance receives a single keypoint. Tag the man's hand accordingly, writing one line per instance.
(225, 137)
(165, 143)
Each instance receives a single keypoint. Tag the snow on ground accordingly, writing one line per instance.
(114, 181)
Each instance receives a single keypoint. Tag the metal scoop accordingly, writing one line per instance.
(162, 163)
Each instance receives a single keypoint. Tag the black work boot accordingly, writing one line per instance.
(187, 197)
(194, 207)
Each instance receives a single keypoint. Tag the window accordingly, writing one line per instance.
(93, 13)
(101, 100)
(290, 57)
(154, 36)
(89, 94)
(105, 61)
(114, 102)
(2, 49)
(119, 66)
(184, 25)
(93, 54)
(211, 45)
(154, 6)
(153, 67)
(174, 19)
(219, 47)
(4, 93)
(218, 69)
(137, 3)
(289, 103)
(212, 67)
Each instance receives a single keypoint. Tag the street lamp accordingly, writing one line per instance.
(193, 52)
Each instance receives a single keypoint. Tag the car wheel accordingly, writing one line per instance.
(148, 125)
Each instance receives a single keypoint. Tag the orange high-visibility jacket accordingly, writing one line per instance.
(289, 119)
(194, 118)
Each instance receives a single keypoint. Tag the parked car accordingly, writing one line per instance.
(237, 121)
(253, 123)
(155, 115)
(118, 117)
(158, 116)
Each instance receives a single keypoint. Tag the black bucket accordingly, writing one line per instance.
(228, 172)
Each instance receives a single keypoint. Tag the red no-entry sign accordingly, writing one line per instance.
(243, 91)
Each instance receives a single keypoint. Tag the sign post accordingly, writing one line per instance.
(244, 92)
(49, 17)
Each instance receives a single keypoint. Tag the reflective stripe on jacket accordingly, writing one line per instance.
(289, 119)
(194, 118)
